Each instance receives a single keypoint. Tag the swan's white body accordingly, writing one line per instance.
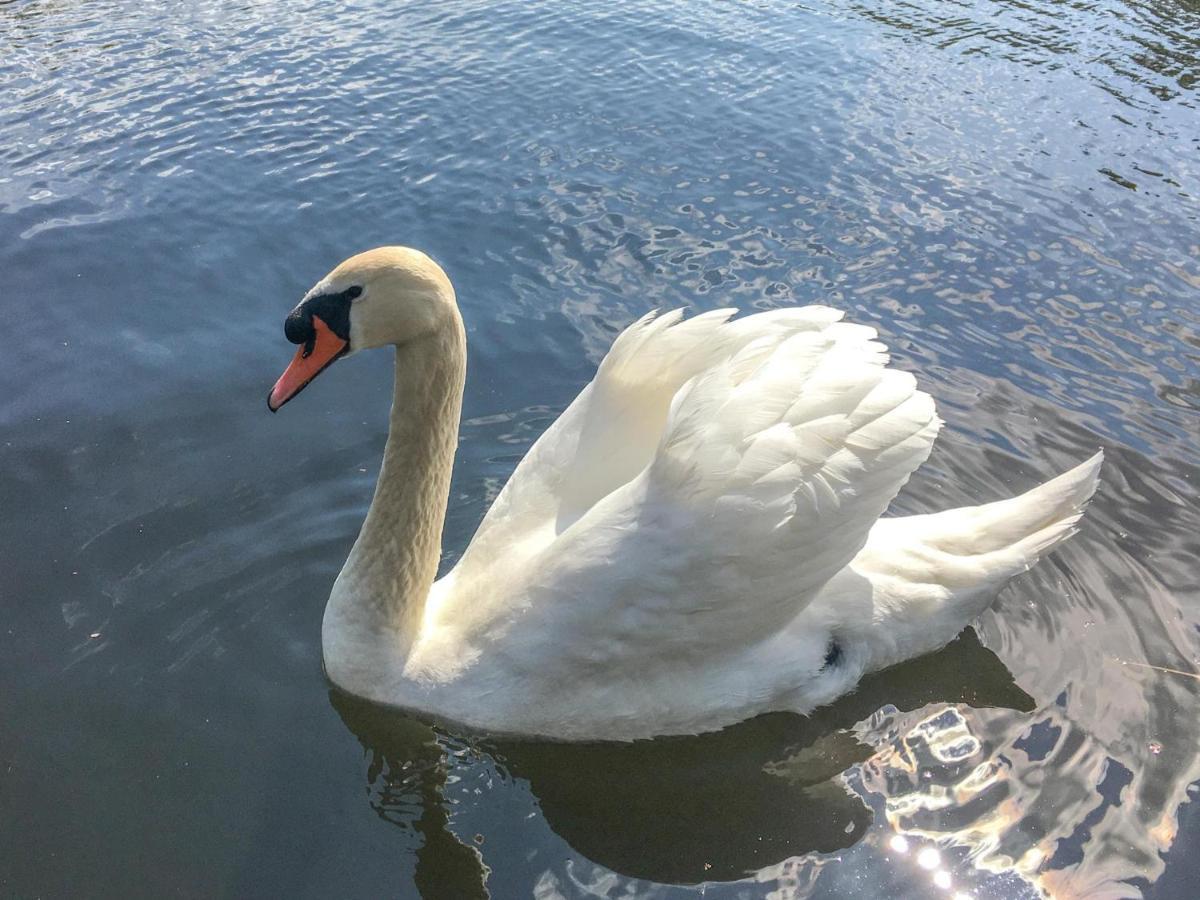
(696, 540)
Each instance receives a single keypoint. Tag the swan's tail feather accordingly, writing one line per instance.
(1047, 515)
(978, 546)
(1033, 521)
(981, 546)
(935, 573)
(1029, 525)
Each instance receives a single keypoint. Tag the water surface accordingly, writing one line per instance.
(1007, 190)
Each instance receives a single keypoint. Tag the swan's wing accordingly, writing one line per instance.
(771, 469)
(612, 430)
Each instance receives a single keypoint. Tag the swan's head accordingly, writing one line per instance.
(390, 295)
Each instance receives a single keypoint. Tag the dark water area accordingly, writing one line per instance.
(1009, 191)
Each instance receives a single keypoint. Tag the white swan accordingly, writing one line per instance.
(695, 541)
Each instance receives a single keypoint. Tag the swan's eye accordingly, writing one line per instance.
(833, 654)
(354, 292)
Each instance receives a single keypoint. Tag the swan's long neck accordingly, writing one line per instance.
(387, 577)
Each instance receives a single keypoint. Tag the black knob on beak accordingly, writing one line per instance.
(298, 326)
(332, 309)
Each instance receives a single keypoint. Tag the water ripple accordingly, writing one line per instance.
(1008, 191)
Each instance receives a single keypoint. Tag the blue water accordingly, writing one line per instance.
(1007, 190)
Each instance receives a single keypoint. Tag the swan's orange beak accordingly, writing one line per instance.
(313, 358)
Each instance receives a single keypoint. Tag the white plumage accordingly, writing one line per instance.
(697, 539)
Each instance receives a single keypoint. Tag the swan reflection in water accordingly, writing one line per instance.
(712, 808)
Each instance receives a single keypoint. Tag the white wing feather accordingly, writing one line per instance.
(612, 429)
(708, 482)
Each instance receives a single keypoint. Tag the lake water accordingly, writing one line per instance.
(1007, 190)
